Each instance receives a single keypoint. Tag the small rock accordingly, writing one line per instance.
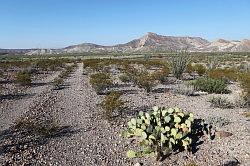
(222, 134)
(138, 164)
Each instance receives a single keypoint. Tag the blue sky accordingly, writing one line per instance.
(59, 23)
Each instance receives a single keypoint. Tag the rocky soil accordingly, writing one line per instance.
(85, 138)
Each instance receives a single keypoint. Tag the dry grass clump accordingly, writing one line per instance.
(221, 102)
(36, 125)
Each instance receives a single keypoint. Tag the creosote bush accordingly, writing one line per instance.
(160, 131)
(210, 85)
(110, 104)
(23, 78)
(101, 82)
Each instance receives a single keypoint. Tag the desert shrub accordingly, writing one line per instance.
(210, 85)
(124, 78)
(36, 125)
(49, 64)
(218, 121)
(110, 104)
(247, 114)
(57, 83)
(224, 74)
(183, 89)
(191, 164)
(101, 82)
(23, 78)
(221, 102)
(66, 72)
(131, 72)
(95, 64)
(144, 80)
(153, 63)
(14, 64)
(200, 69)
(162, 74)
(160, 131)
(244, 79)
(190, 68)
(179, 64)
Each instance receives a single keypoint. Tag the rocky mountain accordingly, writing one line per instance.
(222, 45)
(154, 42)
(150, 42)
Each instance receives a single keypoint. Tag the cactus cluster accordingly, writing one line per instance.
(160, 131)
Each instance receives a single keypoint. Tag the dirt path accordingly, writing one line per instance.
(95, 142)
(10, 110)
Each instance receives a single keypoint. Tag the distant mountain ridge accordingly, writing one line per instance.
(153, 42)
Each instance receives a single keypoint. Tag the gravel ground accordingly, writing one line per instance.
(91, 140)
(12, 109)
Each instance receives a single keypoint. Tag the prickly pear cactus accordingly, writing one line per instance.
(160, 131)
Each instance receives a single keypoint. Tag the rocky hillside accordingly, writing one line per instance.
(155, 42)
(151, 42)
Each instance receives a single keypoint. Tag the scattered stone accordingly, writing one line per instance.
(222, 134)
